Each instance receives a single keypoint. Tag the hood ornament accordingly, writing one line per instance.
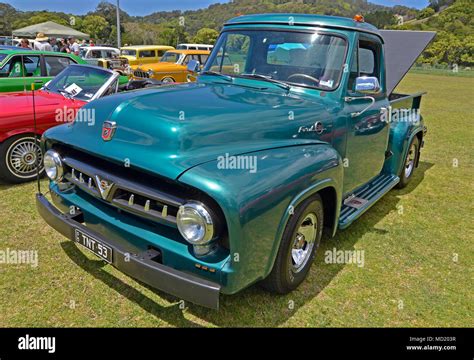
(108, 130)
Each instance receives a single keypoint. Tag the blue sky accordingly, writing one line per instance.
(144, 7)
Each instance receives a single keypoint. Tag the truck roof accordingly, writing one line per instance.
(306, 20)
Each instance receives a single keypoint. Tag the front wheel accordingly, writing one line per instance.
(19, 156)
(167, 80)
(410, 162)
(298, 247)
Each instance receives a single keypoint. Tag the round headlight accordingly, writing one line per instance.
(53, 165)
(150, 72)
(195, 223)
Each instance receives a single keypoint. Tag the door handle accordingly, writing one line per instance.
(358, 113)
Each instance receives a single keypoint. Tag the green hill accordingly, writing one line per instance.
(454, 43)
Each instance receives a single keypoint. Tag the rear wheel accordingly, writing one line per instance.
(411, 160)
(298, 247)
(19, 156)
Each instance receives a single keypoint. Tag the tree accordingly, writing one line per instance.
(206, 36)
(425, 13)
(96, 26)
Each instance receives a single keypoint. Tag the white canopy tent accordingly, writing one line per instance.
(50, 29)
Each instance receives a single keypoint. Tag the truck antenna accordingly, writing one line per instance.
(38, 183)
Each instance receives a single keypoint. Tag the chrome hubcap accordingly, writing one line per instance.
(304, 242)
(23, 157)
(410, 163)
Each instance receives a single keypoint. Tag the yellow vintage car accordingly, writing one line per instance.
(172, 66)
(143, 54)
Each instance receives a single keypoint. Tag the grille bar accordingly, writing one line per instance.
(119, 192)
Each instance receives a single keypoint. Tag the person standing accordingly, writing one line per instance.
(73, 46)
(41, 43)
(64, 46)
(54, 44)
(25, 44)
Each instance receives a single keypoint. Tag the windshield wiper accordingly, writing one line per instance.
(269, 79)
(66, 94)
(225, 77)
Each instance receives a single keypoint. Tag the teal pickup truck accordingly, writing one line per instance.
(19, 68)
(200, 189)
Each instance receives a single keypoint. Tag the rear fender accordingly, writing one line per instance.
(401, 135)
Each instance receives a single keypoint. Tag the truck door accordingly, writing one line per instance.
(367, 130)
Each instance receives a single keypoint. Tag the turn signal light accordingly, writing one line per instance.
(359, 18)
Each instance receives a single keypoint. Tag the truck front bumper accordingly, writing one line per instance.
(139, 266)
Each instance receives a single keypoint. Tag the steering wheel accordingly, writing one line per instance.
(304, 76)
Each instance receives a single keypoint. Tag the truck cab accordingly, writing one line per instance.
(292, 129)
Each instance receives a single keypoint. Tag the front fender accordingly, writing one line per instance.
(256, 204)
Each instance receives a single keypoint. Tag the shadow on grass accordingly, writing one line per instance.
(172, 314)
(253, 306)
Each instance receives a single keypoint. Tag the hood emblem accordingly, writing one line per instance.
(108, 130)
(104, 187)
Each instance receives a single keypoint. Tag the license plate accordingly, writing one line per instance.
(100, 249)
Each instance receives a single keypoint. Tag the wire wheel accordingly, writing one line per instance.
(22, 157)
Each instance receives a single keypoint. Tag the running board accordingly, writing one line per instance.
(363, 198)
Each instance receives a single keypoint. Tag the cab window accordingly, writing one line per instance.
(147, 53)
(366, 63)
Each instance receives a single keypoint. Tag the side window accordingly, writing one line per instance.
(56, 64)
(32, 65)
(147, 53)
(161, 53)
(22, 66)
(366, 62)
(369, 58)
(10, 65)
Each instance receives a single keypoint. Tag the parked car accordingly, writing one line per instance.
(205, 47)
(19, 68)
(105, 56)
(92, 54)
(143, 54)
(172, 66)
(231, 180)
(56, 103)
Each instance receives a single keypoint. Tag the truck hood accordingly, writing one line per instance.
(170, 129)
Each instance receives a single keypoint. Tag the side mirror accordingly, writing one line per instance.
(194, 66)
(367, 85)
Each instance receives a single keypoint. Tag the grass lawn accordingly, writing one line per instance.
(418, 244)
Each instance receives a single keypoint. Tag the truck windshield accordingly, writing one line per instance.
(170, 57)
(304, 59)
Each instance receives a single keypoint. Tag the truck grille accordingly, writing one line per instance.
(141, 74)
(120, 192)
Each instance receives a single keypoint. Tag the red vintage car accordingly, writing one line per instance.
(58, 102)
